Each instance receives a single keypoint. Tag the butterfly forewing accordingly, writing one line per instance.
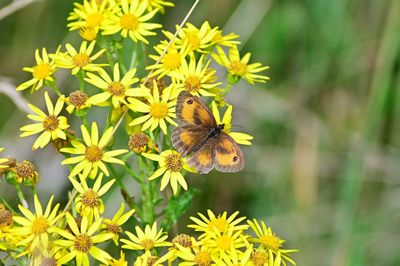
(228, 155)
(189, 138)
(191, 110)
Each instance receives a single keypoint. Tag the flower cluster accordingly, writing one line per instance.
(98, 161)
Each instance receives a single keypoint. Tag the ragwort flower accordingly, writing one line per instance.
(114, 225)
(132, 21)
(92, 155)
(41, 72)
(52, 125)
(145, 240)
(157, 109)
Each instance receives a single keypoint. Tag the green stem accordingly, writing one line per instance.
(20, 195)
(81, 77)
(53, 86)
(147, 195)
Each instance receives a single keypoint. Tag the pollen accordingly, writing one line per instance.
(50, 123)
(93, 20)
(83, 243)
(259, 258)
(271, 241)
(93, 153)
(77, 98)
(159, 110)
(42, 71)
(174, 162)
(25, 170)
(116, 89)
(203, 258)
(114, 228)
(6, 219)
(238, 68)
(224, 242)
(219, 223)
(147, 244)
(183, 240)
(192, 84)
(90, 198)
(138, 142)
(152, 260)
(129, 22)
(48, 262)
(172, 60)
(39, 225)
(81, 60)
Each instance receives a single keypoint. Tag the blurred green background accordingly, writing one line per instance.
(324, 166)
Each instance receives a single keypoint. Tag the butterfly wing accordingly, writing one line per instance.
(203, 160)
(191, 110)
(228, 155)
(189, 138)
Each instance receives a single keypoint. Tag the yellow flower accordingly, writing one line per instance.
(79, 60)
(132, 21)
(81, 241)
(224, 242)
(171, 60)
(225, 40)
(220, 223)
(6, 221)
(147, 259)
(198, 40)
(25, 172)
(240, 68)
(240, 138)
(41, 72)
(36, 227)
(92, 155)
(198, 79)
(157, 5)
(89, 15)
(157, 110)
(145, 240)
(114, 225)
(77, 100)
(197, 255)
(116, 88)
(269, 241)
(88, 203)
(52, 125)
(235, 257)
(118, 262)
(171, 164)
(47, 256)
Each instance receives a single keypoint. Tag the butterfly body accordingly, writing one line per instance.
(203, 139)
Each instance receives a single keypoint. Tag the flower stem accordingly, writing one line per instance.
(147, 195)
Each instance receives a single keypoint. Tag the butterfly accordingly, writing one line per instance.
(202, 139)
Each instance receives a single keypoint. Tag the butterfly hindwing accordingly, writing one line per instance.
(191, 110)
(203, 160)
(228, 155)
(188, 138)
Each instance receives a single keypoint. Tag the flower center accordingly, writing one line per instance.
(259, 258)
(77, 98)
(271, 242)
(183, 240)
(80, 60)
(174, 162)
(42, 71)
(114, 228)
(203, 258)
(224, 242)
(193, 40)
(238, 68)
(48, 262)
(25, 169)
(116, 89)
(219, 223)
(138, 142)
(172, 60)
(82, 243)
(192, 84)
(159, 110)
(39, 225)
(129, 22)
(50, 123)
(93, 153)
(93, 20)
(90, 198)
(6, 219)
(147, 244)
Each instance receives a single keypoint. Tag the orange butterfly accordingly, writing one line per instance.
(200, 137)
